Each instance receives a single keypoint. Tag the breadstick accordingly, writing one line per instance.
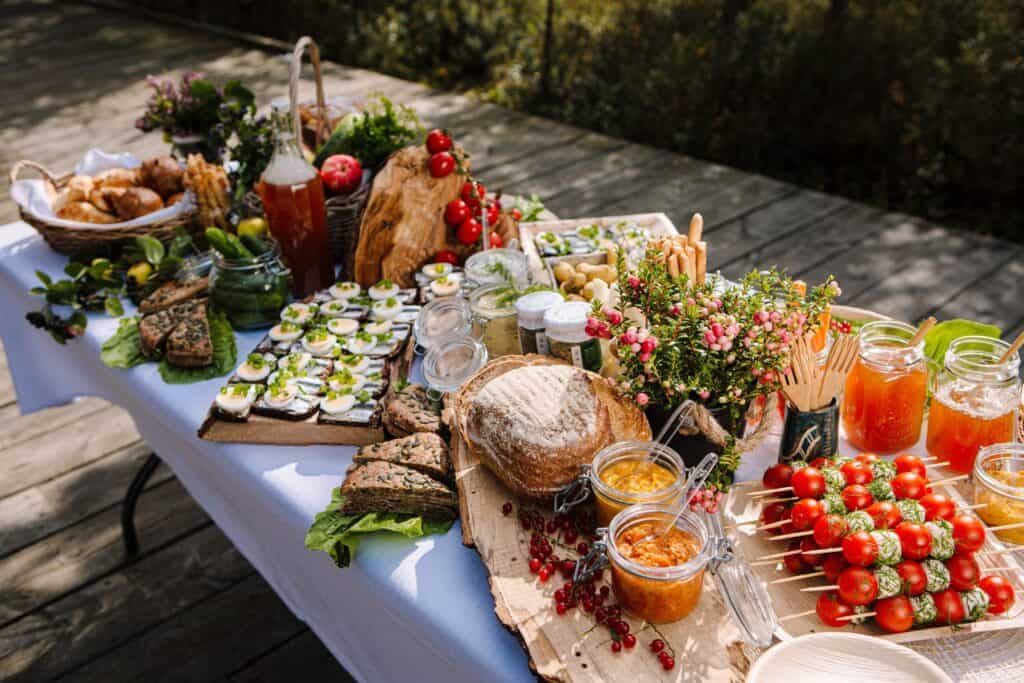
(691, 263)
(696, 228)
(702, 262)
(673, 266)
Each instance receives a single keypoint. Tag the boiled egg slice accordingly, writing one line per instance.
(343, 327)
(379, 327)
(346, 381)
(444, 286)
(354, 363)
(385, 289)
(299, 314)
(280, 396)
(436, 270)
(387, 309)
(334, 308)
(285, 332)
(319, 345)
(357, 344)
(235, 398)
(344, 290)
(254, 369)
(336, 404)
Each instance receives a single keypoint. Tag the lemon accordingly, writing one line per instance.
(140, 272)
(254, 227)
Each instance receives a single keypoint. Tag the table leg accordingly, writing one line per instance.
(131, 539)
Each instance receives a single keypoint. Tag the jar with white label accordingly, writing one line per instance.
(530, 310)
(565, 325)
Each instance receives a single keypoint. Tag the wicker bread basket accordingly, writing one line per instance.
(98, 241)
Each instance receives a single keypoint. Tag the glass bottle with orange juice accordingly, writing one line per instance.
(884, 398)
(293, 201)
(975, 402)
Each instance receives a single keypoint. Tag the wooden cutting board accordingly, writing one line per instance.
(567, 648)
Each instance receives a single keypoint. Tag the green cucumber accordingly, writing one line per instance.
(255, 244)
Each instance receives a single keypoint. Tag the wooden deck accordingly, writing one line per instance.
(191, 608)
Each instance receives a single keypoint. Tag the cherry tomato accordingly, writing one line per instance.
(859, 548)
(913, 576)
(495, 240)
(493, 215)
(469, 231)
(777, 476)
(805, 513)
(467, 192)
(894, 614)
(829, 530)
(909, 463)
(1000, 593)
(937, 506)
(808, 482)
(447, 256)
(856, 497)
(856, 472)
(915, 540)
(455, 212)
(795, 563)
(787, 517)
(857, 586)
(909, 485)
(866, 458)
(773, 512)
(949, 606)
(968, 533)
(963, 571)
(517, 215)
(438, 141)
(885, 514)
(441, 164)
(830, 607)
(833, 566)
(814, 560)
(819, 462)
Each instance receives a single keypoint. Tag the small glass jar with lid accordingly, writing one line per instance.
(443, 318)
(449, 364)
(565, 325)
(497, 267)
(975, 401)
(998, 479)
(494, 318)
(632, 473)
(530, 310)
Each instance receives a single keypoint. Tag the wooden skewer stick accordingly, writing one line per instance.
(1014, 348)
(1001, 569)
(1005, 527)
(818, 589)
(862, 615)
(795, 534)
(749, 522)
(778, 500)
(950, 480)
(823, 551)
(779, 556)
(798, 577)
(925, 327)
(765, 492)
(773, 525)
(1004, 551)
(798, 615)
(930, 458)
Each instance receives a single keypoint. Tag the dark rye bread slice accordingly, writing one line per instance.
(189, 345)
(173, 293)
(426, 453)
(155, 327)
(386, 487)
(410, 411)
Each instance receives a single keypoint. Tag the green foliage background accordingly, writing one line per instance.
(915, 105)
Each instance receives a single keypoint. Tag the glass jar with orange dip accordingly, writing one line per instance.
(632, 473)
(999, 488)
(884, 398)
(975, 401)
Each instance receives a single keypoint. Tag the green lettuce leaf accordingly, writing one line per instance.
(338, 535)
(225, 354)
(939, 338)
(124, 349)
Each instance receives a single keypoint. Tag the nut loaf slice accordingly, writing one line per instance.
(410, 411)
(173, 293)
(189, 345)
(386, 487)
(155, 327)
(426, 453)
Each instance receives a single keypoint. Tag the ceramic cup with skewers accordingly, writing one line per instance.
(809, 434)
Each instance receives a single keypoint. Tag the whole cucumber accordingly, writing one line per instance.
(254, 244)
(218, 239)
(242, 251)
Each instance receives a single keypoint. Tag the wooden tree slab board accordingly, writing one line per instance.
(568, 649)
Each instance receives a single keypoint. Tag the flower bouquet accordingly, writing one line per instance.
(722, 345)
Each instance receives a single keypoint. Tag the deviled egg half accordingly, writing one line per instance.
(360, 342)
(385, 289)
(436, 270)
(236, 398)
(378, 327)
(387, 309)
(343, 327)
(296, 362)
(297, 313)
(346, 380)
(354, 363)
(444, 286)
(285, 331)
(334, 308)
(337, 402)
(280, 394)
(344, 290)
(319, 342)
(254, 369)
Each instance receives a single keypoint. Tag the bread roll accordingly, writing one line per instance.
(116, 177)
(78, 189)
(163, 175)
(101, 197)
(135, 202)
(85, 212)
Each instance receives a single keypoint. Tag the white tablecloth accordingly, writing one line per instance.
(404, 611)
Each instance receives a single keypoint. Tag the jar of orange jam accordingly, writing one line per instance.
(632, 473)
(657, 579)
(883, 402)
(975, 401)
(999, 487)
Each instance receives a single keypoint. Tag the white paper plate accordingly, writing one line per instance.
(843, 658)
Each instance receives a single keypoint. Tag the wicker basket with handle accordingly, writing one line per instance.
(343, 212)
(101, 240)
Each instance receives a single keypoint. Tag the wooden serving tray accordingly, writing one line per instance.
(787, 598)
(568, 648)
(269, 430)
(658, 223)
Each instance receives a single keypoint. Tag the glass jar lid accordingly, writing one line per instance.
(531, 308)
(497, 266)
(449, 364)
(442, 318)
(884, 344)
(567, 322)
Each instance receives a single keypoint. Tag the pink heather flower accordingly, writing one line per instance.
(644, 357)
(675, 310)
(733, 330)
(709, 337)
(593, 322)
(635, 347)
(784, 337)
(642, 334)
(716, 347)
(801, 318)
(642, 398)
(704, 394)
(614, 317)
(726, 345)
(648, 345)
(629, 337)
(730, 359)
(690, 301)
(776, 316)
(756, 372)
(761, 317)
(717, 329)
(768, 327)
(634, 282)
(713, 306)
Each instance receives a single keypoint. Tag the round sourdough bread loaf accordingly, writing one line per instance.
(534, 422)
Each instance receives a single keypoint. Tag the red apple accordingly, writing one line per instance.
(341, 173)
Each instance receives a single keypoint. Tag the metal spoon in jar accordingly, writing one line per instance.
(694, 483)
(670, 427)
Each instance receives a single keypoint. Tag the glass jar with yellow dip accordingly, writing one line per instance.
(633, 473)
(999, 485)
